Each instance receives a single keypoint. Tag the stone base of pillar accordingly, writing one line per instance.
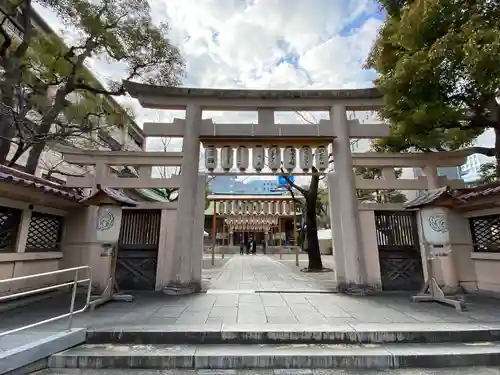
(354, 289)
(455, 290)
(182, 289)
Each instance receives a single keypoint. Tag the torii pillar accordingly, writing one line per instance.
(344, 186)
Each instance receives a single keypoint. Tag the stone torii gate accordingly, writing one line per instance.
(179, 257)
(338, 131)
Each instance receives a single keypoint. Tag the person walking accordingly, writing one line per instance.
(241, 247)
(254, 247)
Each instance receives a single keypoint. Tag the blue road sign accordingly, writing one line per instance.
(282, 180)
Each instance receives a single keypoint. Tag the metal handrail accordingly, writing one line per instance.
(76, 281)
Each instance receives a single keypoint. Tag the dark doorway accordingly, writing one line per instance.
(399, 250)
(137, 256)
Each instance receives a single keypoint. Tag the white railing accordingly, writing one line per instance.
(76, 281)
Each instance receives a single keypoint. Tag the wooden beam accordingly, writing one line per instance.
(303, 133)
(399, 184)
(126, 183)
(122, 158)
(155, 206)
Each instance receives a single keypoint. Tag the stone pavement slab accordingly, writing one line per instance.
(447, 371)
(263, 273)
(248, 292)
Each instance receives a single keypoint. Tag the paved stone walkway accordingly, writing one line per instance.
(263, 274)
(447, 371)
(248, 290)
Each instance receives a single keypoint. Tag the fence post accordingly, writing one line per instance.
(73, 297)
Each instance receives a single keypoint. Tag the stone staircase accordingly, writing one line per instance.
(292, 347)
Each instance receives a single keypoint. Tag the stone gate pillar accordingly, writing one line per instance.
(348, 202)
(445, 265)
(336, 225)
(181, 280)
(197, 235)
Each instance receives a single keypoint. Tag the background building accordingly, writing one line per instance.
(113, 137)
(233, 185)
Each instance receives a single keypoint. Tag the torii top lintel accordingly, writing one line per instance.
(162, 97)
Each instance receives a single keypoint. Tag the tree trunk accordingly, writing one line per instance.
(497, 150)
(313, 252)
(6, 122)
(4, 136)
(34, 157)
(19, 152)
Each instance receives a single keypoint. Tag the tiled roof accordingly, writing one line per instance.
(15, 177)
(429, 197)
(459, 195)
(480, 191)
(114, 194)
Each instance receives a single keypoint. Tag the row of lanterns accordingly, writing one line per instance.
(261, 220)
(275, 161)
(238, 227)
(255, 208)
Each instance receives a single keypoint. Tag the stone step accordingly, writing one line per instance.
(416, 371)
(291, 356)
(269, 334)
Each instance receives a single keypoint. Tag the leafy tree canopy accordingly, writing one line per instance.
(438, 65)
(42, 74)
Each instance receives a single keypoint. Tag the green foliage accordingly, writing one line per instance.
(438, 69)
(488, 173)
(42, 74)
(378, 196)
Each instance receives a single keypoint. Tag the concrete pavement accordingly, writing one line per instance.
(249, 290)
(255, 294)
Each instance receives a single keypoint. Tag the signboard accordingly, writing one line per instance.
(435, 226)
(108, 224)
(282, 180)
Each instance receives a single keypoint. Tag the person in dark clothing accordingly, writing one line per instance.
(249, 243)
(264, 247)
(241, 248)
(254, 247)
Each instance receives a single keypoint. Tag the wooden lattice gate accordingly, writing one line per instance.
(137, 256)
(399, 250)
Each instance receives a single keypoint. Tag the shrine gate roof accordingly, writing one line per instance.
(153, 96)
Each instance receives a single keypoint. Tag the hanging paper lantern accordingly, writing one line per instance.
(290, 158)
(279, 208)
(272, 207)
(227, 158)
(274, 158)
(211, 158)
(242, 158)
(258, 158)
(321, 158)
(305, 158)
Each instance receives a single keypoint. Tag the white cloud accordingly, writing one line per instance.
(267, 44)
